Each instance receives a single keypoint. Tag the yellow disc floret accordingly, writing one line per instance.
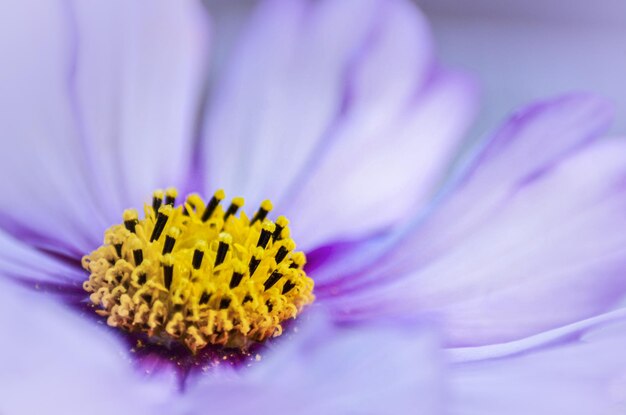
(198, 274)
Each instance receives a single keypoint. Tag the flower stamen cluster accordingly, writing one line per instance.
(198, 274)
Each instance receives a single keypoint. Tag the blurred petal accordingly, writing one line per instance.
(46, 195)
(53, 358)
(520, 250)
(89, 130)
(139, 75)
(25, 263)
(393, 170)
(375, 369)
(281, 91)
(304, 90)
(580, 369)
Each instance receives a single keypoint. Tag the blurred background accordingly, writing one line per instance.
(524, 50)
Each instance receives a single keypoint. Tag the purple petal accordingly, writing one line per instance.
(393, 170)
(577, 370)
(514, 252)
(140, 68)
(305, 93)
(90, 131)
(22, 262)
(376, 368)
(45, 191)
(53, 358)
(279, 92)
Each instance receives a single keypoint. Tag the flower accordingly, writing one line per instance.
(299, 97)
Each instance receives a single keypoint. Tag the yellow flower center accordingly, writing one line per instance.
(197, 274)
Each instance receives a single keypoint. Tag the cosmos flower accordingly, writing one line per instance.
(350, 130)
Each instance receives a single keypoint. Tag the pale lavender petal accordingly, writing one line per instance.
(580, 370)
(304, 93)
(23, 262)
(280, 92)
(375, 368)
(97, 110)
(393, 169)
(529, 250)
(140, 68)
(46, 196)
(54, 360)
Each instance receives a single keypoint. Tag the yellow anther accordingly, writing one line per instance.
(282, 221)
(202, 276)
(289, 244)
(133, 242)
(174, 232)
(166, 210)
(130, 214)
(269, 226)
(299, 259)
(220, 194)
(238, 201)
(195, 200)
(171, 192)
(239, 267)
(267, 205)
(258, 252)
(226, 238)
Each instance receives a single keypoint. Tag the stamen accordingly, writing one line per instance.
(238, 271)
(256, 260)
(168, 271)
(222, 250)
(161, 220)
(118, 250)
(157, 199)
(152, 276)
(205, 298)
(213, 203)
(288, 246)
(138, 256)
(266, 207)
(170, 196)
(266, 233)
(288, 287)
(170, 240)
(131, 219)
(281, 223)
(198, 254)
(191, 204)
(224, 303)
(272, 280)
(235, 205)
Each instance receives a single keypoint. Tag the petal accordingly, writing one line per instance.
(280, 91)
(53, 358)
(376, 368)
(22, 262)
(99, 102)
(516, 252)
(45, 194)
(140, 69)
(393, 173)
(581, 369)
(303, 90)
